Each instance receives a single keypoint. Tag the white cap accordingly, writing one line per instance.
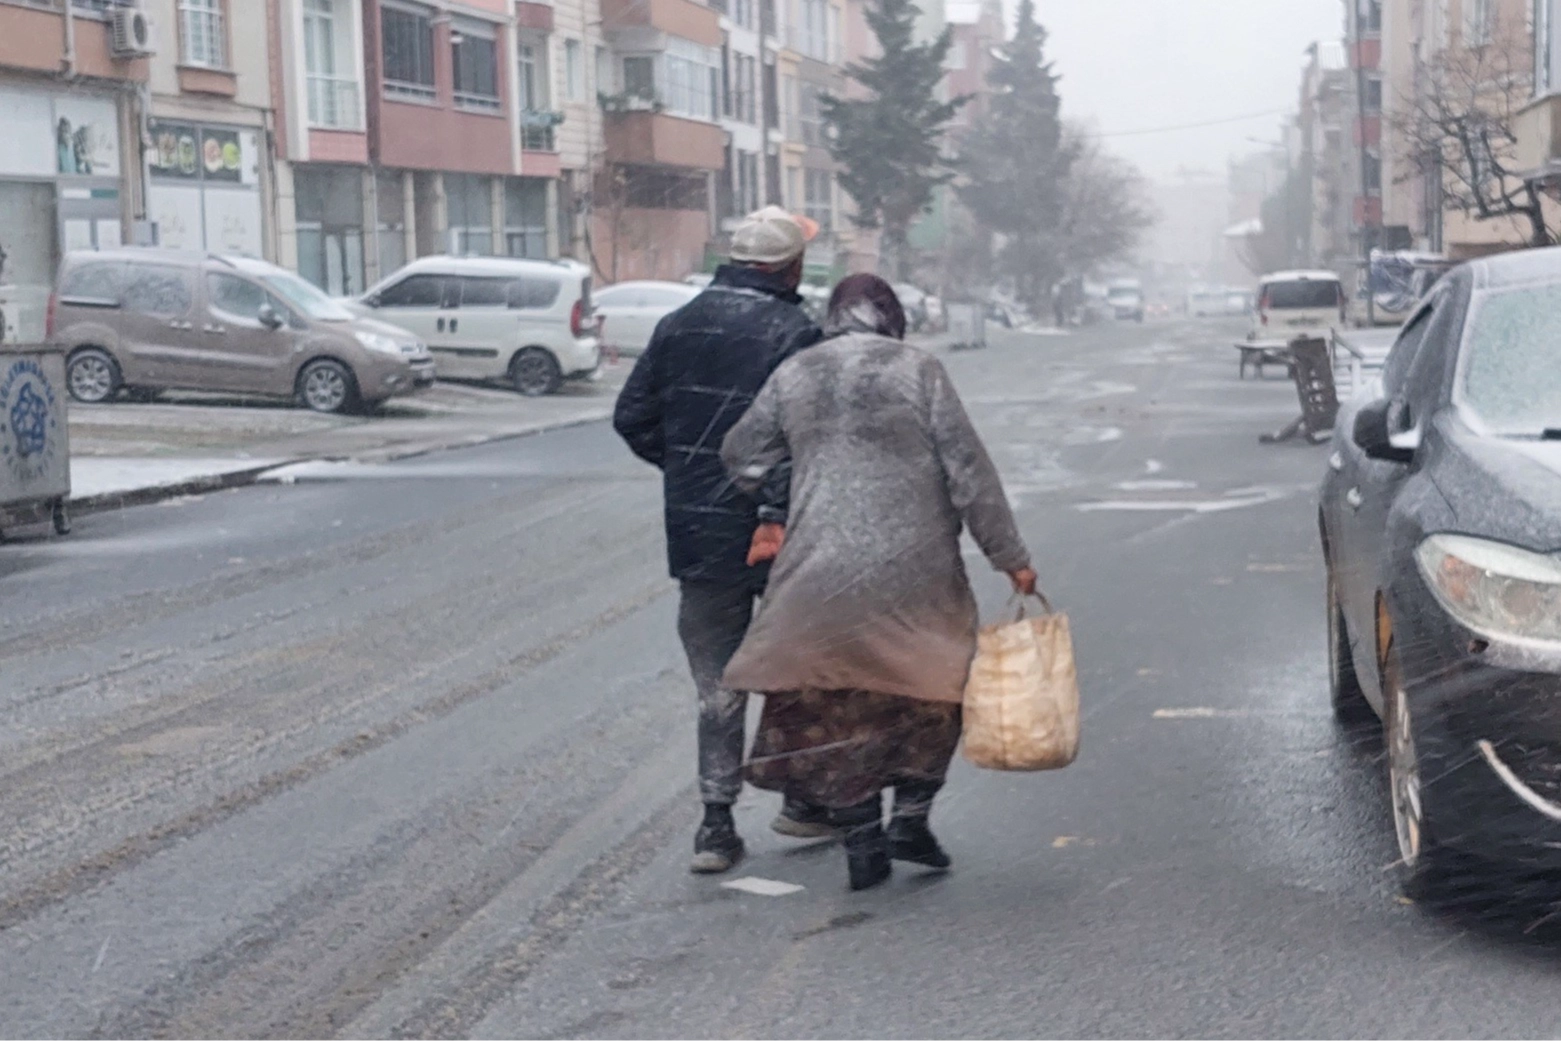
(771, 236)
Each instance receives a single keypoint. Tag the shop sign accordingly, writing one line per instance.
(190, 152)
(47, 135)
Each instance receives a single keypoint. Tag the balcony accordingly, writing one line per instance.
(655, 139)
(1538, 130)
(537, 130)
(684, 18)
(334, 102)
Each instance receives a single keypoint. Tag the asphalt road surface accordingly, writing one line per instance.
(407, 750)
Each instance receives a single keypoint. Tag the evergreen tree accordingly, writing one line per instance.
(1014, 162)
(889, 145)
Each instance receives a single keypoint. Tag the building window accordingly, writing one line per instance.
(1373, 99)
(525, 217)
(1477, 28)
(574, 74)
(747, 182)
(742, 99)
(1371, 173)
(810, 114)
(469, 203)
(956, 59)
(819, 203)
(639, 76)
(390, 221)
(743, 13)
(329, 204)
(1369, 17)
(603, 71)
(793, 188)
(201, 33)
(811, 35)
(1544, 72)
(474, 58)
(408, 51)
(692, 75)
(533, 76)
(328, 65)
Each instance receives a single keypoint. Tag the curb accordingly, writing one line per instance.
(207, 483)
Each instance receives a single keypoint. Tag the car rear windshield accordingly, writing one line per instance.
(1309, 294)
(1511, 372)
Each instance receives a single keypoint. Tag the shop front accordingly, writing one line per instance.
(60, 189)
(203, 187)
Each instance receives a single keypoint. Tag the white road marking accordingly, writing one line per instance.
(762, 886)
(1200, 713)
(1155, 486)
(1174, 505)
(1153, 466)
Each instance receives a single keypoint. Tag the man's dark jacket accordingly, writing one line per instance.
(703, 368)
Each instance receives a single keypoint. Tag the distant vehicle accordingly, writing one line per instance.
(1440, 518)
(1205, 303)
(147, 320)
(1293, 304)
(700, 279)
(937, 314)
(528, 322)
(1125, 298)
(1238, 303)
(914, 301)
(630, 311)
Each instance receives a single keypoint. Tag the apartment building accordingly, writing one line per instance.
(654, 194)
(1538, 124)
(71, 73)
(1325, 158)
(206, 138)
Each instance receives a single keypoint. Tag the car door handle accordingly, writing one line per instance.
(212, 328)
(1354, 498)
(181, 325)
(453, 323)
(440, 325)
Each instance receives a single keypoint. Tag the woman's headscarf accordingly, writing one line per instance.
(865, 304)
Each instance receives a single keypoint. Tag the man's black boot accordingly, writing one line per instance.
(717, 846)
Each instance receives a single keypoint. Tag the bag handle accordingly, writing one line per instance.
(1019, 601)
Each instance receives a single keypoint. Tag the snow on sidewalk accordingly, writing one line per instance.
(94, 477)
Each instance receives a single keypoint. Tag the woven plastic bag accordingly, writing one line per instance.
(1022, 699)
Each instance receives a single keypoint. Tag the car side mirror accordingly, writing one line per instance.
(269, 318)
(1374, 433)
(372, 300)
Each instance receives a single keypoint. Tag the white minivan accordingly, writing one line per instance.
(528, 322)
(1293, 304)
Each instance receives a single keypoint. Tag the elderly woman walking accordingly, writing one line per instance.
(865, 635)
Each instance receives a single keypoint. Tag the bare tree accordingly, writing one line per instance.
(1458, 125)
(1105, 209)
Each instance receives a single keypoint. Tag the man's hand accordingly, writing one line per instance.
(1024, 580)
(766, 544)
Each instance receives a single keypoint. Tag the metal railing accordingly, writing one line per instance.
(333, 102)
(537, 130)
(477, 102)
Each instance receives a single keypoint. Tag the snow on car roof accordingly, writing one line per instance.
(1299, 276)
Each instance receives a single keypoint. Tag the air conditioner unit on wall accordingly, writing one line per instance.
(130, 33)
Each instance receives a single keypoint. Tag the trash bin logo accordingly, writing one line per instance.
(29, 420)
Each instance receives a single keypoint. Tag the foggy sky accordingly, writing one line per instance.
(1134, 64)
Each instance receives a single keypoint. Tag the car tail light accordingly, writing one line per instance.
(577, 319)
(48, 316)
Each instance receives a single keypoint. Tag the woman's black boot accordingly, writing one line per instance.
(910, 839)
(867, 847)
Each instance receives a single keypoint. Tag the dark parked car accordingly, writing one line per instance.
(1441, 526)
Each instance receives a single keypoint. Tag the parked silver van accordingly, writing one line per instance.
(529, 323)
(143, 320)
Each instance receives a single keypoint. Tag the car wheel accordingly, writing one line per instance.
(1350, 706)
(327, 386)
(1423, 864)
(534, 372)
(92, 376)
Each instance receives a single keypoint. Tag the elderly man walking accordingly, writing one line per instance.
(701, 371)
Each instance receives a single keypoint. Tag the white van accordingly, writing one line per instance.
(1292, 304)
(528, 322)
